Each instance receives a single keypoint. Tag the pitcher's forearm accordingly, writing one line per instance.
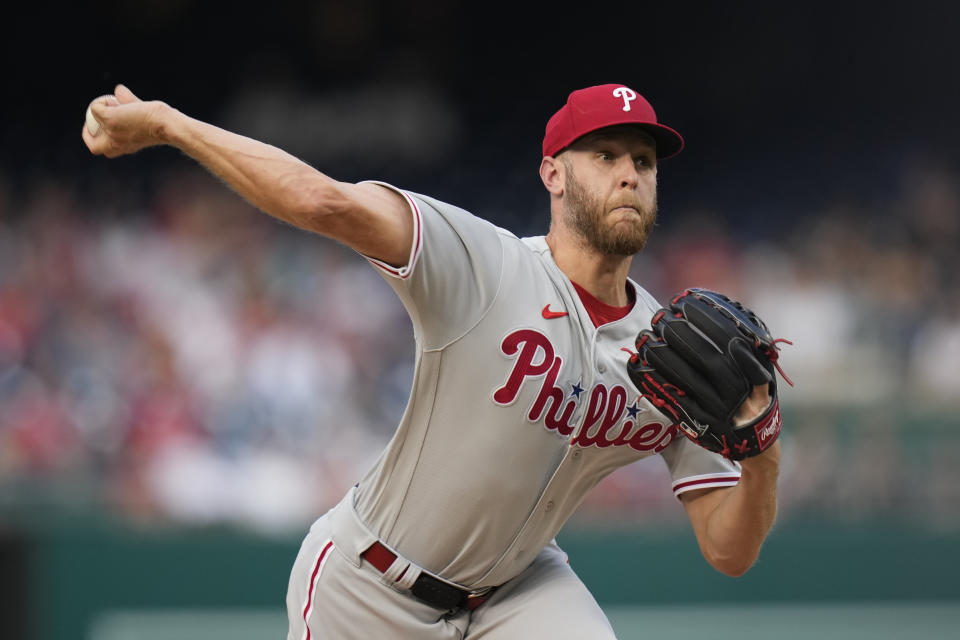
(731, 524)
(267, 177)
(373, 220)
(742, 521)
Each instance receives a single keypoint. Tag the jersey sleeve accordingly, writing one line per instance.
(693, 467)
(453, 272)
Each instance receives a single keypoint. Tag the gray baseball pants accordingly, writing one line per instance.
(335, 595)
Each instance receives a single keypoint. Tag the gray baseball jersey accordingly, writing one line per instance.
(519, 404)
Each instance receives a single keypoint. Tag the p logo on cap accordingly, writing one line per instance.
(627, 94)
(602, 106)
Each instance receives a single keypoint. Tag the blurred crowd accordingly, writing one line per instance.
(185, 358)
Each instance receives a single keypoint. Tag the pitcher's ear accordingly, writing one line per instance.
(552, 174)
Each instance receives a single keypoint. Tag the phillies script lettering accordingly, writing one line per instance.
(603, 424)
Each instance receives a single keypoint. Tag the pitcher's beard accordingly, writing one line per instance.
(586, 214)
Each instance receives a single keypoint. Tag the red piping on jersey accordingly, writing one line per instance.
(418, 234)
(689, 484)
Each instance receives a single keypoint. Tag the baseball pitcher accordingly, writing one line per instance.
(540, 369)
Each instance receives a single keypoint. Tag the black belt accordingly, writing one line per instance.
(427, 588)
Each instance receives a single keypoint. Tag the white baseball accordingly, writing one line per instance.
(93, 125)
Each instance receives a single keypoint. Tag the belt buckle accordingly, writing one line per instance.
(438, 593)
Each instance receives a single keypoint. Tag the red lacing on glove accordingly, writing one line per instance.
(774, 354)
(742, 447)
(633, 356)
(663, 389)
(659, 402)
(725, 452)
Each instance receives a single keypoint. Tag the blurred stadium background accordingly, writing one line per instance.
(185, 384)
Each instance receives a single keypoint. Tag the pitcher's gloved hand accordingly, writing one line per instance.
(704, 357)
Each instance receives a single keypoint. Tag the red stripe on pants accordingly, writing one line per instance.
(313, 584)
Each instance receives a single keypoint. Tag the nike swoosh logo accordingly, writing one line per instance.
(550, 315)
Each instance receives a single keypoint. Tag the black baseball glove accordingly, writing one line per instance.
(700, 362)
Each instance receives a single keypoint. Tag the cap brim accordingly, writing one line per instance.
(669, 142)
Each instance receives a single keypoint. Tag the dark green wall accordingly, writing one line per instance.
(76, 573)
(808, 564)
(72, 573)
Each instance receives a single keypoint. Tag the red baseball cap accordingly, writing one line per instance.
(602, 106)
